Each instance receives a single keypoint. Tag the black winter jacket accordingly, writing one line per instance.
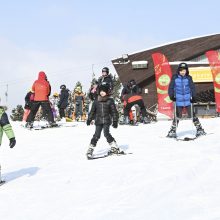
(28, 101)
(103, 111)
(64, 95)
(130, 91)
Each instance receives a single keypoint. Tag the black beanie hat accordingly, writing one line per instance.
(104, 88)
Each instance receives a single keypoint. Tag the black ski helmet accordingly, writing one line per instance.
(105, 69)
(63, 87)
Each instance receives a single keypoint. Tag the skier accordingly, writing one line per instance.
(63, 102)
(6, 127)
(29, 98)
(103, 111)
(41, 89)
(106, 79)
(182, 91)
(79, 101)
(131, 95)
(54, 100)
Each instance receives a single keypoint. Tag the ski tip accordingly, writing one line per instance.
(2, 182)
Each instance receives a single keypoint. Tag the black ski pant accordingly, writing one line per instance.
(47, 111)
(97, 135)
(140, 103)
(62, 112)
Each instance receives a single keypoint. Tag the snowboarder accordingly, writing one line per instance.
(103, 111)
(41, 89)
(63, 102)
(182, 91)
(131, 95)
(6, 127)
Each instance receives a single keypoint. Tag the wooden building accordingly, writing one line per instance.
(139, 66)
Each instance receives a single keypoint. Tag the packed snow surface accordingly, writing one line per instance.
(49, 177)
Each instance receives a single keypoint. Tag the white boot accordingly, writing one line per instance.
(89, 153)
(114, 148)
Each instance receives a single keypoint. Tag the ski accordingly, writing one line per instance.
(187, 138)
(48, 127)
(107, 155)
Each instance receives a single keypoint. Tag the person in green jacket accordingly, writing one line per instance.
(5, 127)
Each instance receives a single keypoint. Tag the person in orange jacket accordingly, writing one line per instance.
(42, 90)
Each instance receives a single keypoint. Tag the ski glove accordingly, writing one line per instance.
(193, 100)
(115, 124)
(173, 98)
(88, 122)
(12, 142)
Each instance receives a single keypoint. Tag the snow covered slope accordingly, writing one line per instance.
(48, 176)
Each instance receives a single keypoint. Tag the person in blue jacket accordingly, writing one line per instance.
(182, 91)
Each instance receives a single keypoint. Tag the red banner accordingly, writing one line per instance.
(163, 76)
(214, 61)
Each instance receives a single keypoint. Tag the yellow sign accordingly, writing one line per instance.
(201, 74)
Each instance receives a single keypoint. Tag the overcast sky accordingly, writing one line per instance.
(66, 38)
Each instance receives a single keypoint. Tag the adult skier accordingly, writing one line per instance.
(103, 111)
(106, 79)
(63, 101)
(182, 91)
(131, 95)
(41, 89)
(5, 127)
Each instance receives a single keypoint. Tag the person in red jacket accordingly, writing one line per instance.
(131, 95)
(41, 89)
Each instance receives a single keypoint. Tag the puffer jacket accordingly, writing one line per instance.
(103, 111)
(182, 88)
(41, 88)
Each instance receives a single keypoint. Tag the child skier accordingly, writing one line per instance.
(182, 91)
(7, 128)
(103, 111)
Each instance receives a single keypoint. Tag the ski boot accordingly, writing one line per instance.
(200, 131)
(89, 153)
(172, 132)
(146, 120)
(53, 124)
(114, 148)
(126, 120)
(29, 125)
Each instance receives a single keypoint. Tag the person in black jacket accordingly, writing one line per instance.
(106, 79)
(103, 112)
(63, 102)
